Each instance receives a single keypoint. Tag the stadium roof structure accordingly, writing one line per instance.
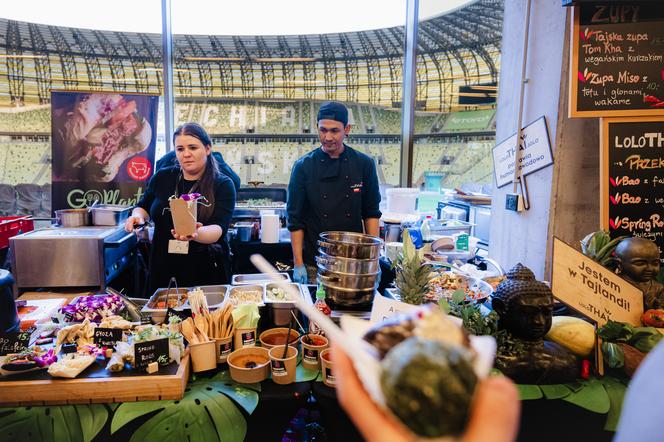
(460, 48)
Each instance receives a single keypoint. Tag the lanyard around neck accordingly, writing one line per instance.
(177, 186)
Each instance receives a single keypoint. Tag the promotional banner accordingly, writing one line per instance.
(103, 147)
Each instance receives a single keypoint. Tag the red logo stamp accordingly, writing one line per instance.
(139, 168)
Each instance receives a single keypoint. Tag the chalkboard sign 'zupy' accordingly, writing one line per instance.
(632, 177)
(617, 60)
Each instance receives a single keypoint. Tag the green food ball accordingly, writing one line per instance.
(429, 386)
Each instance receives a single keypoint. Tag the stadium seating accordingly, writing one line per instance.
(31, 120)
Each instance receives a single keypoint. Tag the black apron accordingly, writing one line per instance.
(335, 196)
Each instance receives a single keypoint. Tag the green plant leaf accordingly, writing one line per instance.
(303, 374)
(246, 395)
(92, 418)
(616, 392)
(444, 305)
(458, 296)
(74, 423)
(591, 397)
(204, 411)
(529, 392)
(555, 391)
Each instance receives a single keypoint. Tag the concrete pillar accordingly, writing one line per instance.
(564, 198)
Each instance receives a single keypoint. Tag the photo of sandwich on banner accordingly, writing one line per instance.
(101, 132)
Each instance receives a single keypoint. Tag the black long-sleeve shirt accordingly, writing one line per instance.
(327, 193)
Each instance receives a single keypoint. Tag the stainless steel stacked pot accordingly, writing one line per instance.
(348, 267)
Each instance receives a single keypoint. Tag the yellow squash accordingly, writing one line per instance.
(575, 334)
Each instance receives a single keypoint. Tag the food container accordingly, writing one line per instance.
(214, 295)
(326, 367)
(244, 337)
(346, 265)
(283, 368)
(224, 347)
(109, 214)
(72, 217)
(244, 294)
(245, 230)
(161, 300)
(312, 346)
(350, 245)
(203, 356)
(279, 310)
(256, 278)
(249, 365)
(348, 280)
(276, 337)
(340, 297)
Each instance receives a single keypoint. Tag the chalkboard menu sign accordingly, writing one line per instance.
(617, 60)
(633, 177)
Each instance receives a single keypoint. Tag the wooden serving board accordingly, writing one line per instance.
(96, 387)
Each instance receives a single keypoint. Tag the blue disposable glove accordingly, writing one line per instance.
(300, 274)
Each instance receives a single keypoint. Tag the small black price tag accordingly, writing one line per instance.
(107, 337)
(151, 351)
(146, 320)
(68, 348)
(14, 342)
(182, 314)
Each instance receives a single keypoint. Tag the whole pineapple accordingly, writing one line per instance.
(412, 276)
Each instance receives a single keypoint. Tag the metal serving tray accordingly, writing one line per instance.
(159, 314)
(239, 290)
(215, 295)
(256, 278)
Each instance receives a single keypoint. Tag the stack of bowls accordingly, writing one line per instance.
(348, 267)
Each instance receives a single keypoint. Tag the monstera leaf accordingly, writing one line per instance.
(206, 409)
(73, 423)
(303, 374)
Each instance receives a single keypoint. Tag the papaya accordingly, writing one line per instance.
(575, 334)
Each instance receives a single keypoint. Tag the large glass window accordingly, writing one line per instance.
(457, 73)
(255, 81)
(40, 54)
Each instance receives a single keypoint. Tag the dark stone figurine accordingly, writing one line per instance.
(525, 307)
(638, 263)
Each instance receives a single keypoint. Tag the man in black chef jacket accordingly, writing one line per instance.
(334, 187)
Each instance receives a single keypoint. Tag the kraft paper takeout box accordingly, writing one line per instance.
(184, 216)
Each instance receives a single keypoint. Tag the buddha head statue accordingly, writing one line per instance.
(524, 304)
(638, 259)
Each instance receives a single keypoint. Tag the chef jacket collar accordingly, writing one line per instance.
(331, 167)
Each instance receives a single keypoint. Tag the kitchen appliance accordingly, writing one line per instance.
(8, 315)
(71, 257)
(109, 214)
(251, 200)
(478, 215)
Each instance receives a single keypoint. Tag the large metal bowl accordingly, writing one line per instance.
(350, 245)
(349, 281)
(346, 265)
(340, 297)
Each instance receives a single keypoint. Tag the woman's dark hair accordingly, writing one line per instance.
(211, 173)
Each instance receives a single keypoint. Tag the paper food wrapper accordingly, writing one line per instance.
(184, 215)
(368, 367)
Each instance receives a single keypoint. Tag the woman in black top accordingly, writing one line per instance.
(207, 259)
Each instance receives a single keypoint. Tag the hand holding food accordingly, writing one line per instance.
(186, 237)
